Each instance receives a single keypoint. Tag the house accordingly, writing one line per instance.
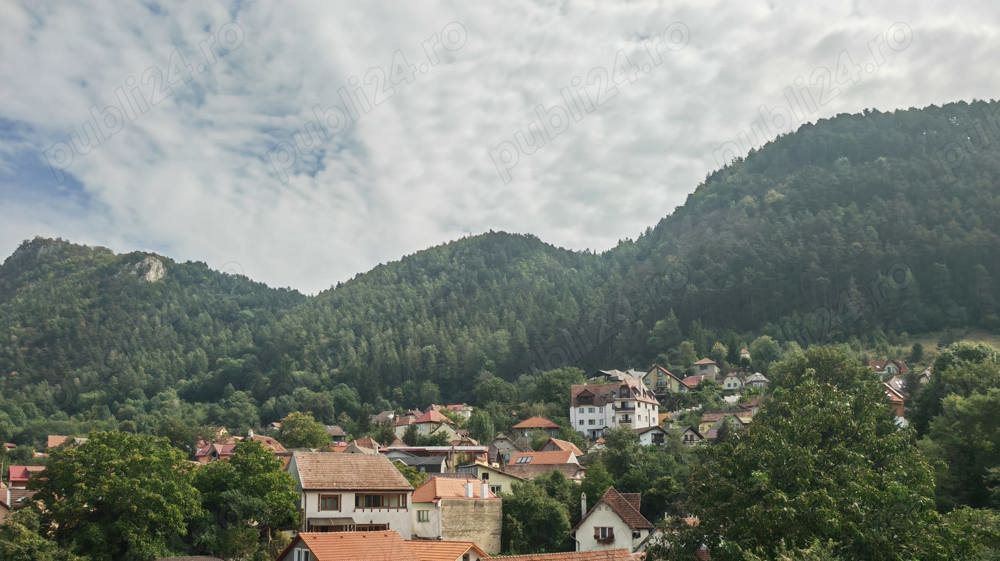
(336, 433)
(691, 383)
(18, 476)
(896, 400)
(732, 382)
(708, 368)
(458, 510)
(384, 418)
(613, 523)
(375, 546)
(454, 455)
(431, 422)
(662, 381)
(502, 447)
(214, 451)
(532, 424)
(690, 436)
(424, 464)
(714, 419)
(57, 440)
(652, 436)
(529, 465)
(888, 367)
(601, 555)
(351, 493)
(463, 410)
(500, 482)
(617, 399)
(756, 381)
(556, 445)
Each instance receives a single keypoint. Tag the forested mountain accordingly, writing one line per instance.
(855, 226)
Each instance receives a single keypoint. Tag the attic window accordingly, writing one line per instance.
(524, 460)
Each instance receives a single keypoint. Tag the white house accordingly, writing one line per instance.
(613, 523)
(757, 380)
(732, 382)
(351, 493)
(652, 436)
(612, 399)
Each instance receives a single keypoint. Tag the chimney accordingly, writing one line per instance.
(250, 434)
(583, 505)
(468, 490)
(485, 490)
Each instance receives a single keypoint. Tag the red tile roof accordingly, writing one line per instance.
(435, 550)
(327, 470)
(626, 506)
(692, 381)
(432, 416)
(564, 445)
(536, 423)
(542, 458)
(354, 546)
(269, 442)
(602, 555)
(449, 488)
(23, 473)
(706, 361)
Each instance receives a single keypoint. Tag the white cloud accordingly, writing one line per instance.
(193, 176)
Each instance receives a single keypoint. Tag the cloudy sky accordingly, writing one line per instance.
(301, 143)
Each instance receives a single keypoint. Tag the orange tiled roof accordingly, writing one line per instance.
(432, 416)
(269, 442)
(542, 458)
(601, 555)
(565, 445)
(55, 440)
(356, 546)
(448, 488)
(327, 470)
(705, 361)
(626, 506)
(426, 550)
(536, 423)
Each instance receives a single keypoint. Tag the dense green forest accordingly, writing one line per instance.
(860, 227)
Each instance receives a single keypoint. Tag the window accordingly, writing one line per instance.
(590, 410)
(604, 534)
(329, 502)
(636, 534)
(371, 501)
(580, 410)
(581, 421)
(524, 460)
(590, 422)
(496, 489)
(486, 476)
(423, 516)
(300, 554)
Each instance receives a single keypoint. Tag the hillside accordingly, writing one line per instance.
(856, 226)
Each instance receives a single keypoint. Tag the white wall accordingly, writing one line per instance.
(397, 519)
(605, 517)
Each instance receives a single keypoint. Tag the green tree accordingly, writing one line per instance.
(533, 522)
(965, 440)
(246, 501)
(763, 351)
(411, 437)
(301, 430)
(118, 496)
(960, 369)
(412, 474)
(481, 426)
(821, 461)
(21, 540)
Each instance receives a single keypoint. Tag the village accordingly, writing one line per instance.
(355, 495)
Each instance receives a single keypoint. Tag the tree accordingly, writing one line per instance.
(245, 500)
(21, 540)
(118, 496)
(916, 353)
(412, 474)
(410, 436)
(597, 480)
(965, 440)
(822, 460)
(718, 353)
(481, 426)
(971, 535)
(763, 351)
(301, 430)
(533, 522)
(960, 369)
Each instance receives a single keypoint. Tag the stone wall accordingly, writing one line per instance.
(474, 520)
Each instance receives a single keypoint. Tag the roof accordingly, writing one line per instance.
(355, 546)
(706, 360)
(435, 550)
(269, 442)
(644, 430)
(892, 395)
(449, 488)
(23, 473)
(531, 471)
(55, 440)
(432, 416)
(600, 555)
(756, 377)
(413, 460)
(543, 458)
(335, 430)
(565, 445)
(20, 497)
(692, 381)
(625, 505)
(536, 423)
(328, 470)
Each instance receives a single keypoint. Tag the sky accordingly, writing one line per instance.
(301, 143)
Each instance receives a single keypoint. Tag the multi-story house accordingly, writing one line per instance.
(613, 523)
(458, 509)
(612, 399)
(351, 493)
(663, 381)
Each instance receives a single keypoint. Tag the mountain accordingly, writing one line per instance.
(855, 226)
